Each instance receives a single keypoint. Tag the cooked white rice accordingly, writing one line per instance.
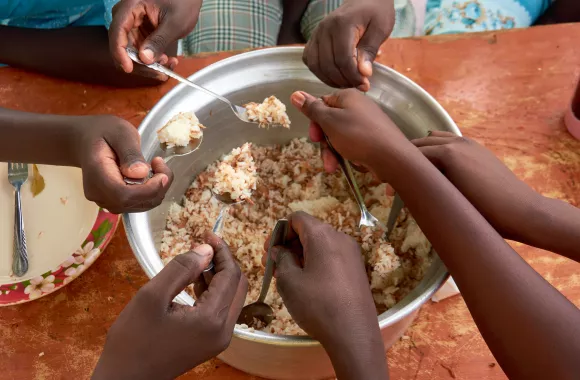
(270, 111)
(180, 130)
(235, 174)
(292, 178)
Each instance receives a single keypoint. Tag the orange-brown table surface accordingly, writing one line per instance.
(507, 90)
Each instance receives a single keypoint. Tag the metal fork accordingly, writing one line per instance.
(240, 112)
(366, 218)
(17, 176)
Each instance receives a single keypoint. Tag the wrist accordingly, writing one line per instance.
(390, 160)
(360, 358)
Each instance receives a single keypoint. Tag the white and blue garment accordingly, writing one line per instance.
(464, 16)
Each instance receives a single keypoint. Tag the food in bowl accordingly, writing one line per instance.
(291, 178)
(234, 174)
(180, 130)
(270, 112)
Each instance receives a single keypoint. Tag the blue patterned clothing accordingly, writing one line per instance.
(463, 16)
(51, 14)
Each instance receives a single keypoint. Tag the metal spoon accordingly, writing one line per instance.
(259, 311)
(174, 151)
(226, 200)
(239, 111)
(366, 218)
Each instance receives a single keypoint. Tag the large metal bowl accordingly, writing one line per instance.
(252, 77)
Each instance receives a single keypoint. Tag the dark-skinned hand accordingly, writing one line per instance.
(151, 26)
(356, 126)
(345, 43)
(156, 338)
(109, 150)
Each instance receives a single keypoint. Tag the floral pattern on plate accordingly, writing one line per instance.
(24, 291)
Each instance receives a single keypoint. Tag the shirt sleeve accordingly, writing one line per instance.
(109, 4)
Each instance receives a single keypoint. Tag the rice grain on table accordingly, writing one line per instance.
(292, 178)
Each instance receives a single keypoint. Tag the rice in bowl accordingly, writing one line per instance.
(292, 178)
(234, 174)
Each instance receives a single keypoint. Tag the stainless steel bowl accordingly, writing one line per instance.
(252, 77)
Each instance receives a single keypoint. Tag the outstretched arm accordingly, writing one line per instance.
(513, 208)
(529, 326)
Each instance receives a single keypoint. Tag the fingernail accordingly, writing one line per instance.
(298, 99)
(203, 250)
(367, 65)
(148, 53)
(164, 180)
(138, 166)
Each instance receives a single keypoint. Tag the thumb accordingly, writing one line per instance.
(154, 46)
(183, 270)
(368, 46)
(286, 262)
(313, 108)
(126, 144)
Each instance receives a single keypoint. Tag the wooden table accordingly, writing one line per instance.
(507, 90)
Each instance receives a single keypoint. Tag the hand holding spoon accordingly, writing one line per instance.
(259, 311)
(174, 151)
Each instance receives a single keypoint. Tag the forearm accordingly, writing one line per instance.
(363, 358)
(74, 53)
(529, 326)
(552, 225)
(37, 138)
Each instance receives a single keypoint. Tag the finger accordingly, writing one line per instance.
(126, 143)
(223, 287)
(345, 58)
(287, 262)
(314, 108)
(329, 160)
(311, 58)
(159, 166)
(442, 134)
(328, 64)
(315, 132)
(238, 302)
(158, 41)
(126, 17)
(115, 194)
(179, 273)
(299, 223)
(434, 154)
(433, 140)
(368, 46)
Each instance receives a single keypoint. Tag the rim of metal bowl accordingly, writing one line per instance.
(434, 278)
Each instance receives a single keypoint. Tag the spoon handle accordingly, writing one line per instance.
(219, 222)
(349, 175)
(134, 55)
(278, 238)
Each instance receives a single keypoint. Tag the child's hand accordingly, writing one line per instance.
(345, 43)
(356, 126)
(483, 179)
(151, 26)
(156, 338)
(109, 149)
(322, 279)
